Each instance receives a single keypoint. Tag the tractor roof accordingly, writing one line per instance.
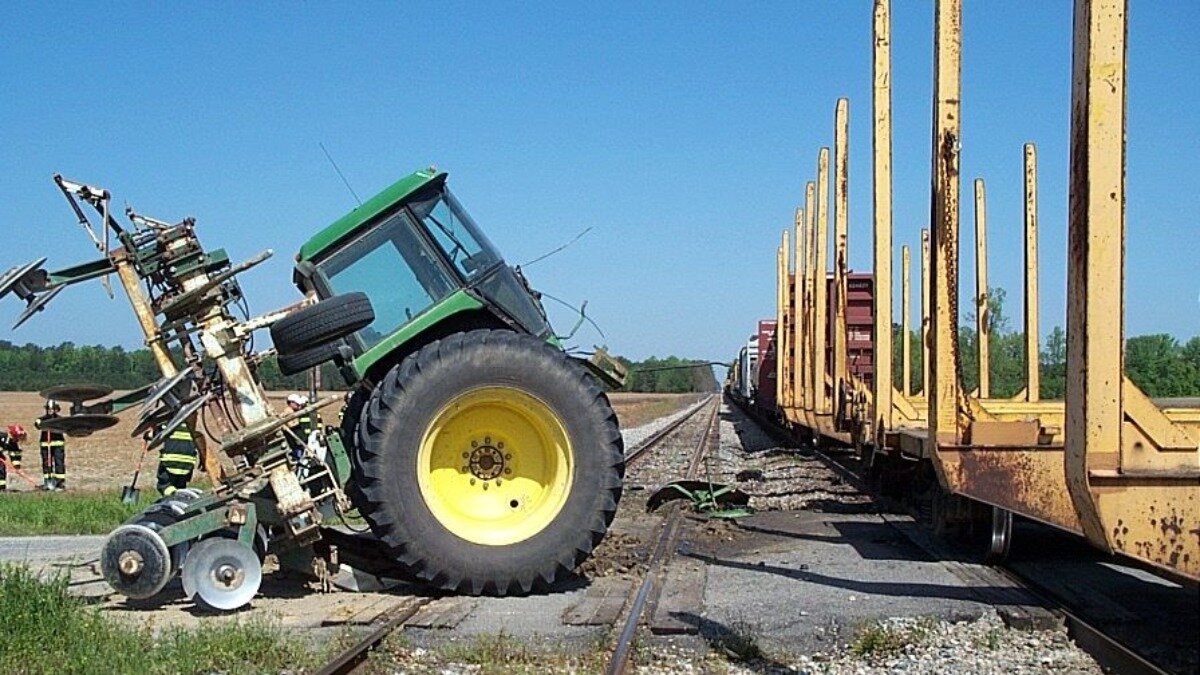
(367, 211)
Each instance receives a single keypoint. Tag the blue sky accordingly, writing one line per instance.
(682, 133)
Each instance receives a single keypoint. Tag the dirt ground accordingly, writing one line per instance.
(107, 458)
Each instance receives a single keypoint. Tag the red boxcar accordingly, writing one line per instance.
(860, 326)
(764, 378)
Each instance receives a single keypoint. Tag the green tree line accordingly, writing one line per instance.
(32, 367)
(671, 375)
(1158, 364)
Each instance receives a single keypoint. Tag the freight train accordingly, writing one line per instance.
(815, 370)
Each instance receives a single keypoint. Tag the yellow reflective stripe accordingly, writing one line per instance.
(172, 457)
(58, 475)
(181, 435)
(169, 490)
(53, 444)
(178, 472)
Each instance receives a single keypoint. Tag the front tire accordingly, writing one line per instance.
(489, 462)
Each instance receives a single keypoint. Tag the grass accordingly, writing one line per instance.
(46, 630)
(34, 513)
(634, 414)
(880, 640)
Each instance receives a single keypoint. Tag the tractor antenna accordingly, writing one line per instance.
(547, 255)
(582, 317)
(340, 174)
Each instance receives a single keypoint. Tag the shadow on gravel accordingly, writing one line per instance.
(992, 595)
(752, 437)
(738, 643)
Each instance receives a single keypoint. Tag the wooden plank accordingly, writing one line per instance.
(444, 613)
(601, 605)
(681, 601)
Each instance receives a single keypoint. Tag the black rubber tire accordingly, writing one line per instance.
(394, 421)
(290, 364)
(323, 322)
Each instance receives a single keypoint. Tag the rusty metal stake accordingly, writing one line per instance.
(943, 395)
(821, 322)
(1032, 370)
(982, 318)
(882, 147)
(841, 225)
(810, 274)
(906, 322)
(925, 365)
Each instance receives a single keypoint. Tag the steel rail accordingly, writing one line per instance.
(619, 663)
(657, 437)
(350, 659)
(1108, 651)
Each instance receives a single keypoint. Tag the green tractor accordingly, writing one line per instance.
(485, 459)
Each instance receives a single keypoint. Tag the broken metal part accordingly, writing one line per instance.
(36, 305)
(24, 280)
(181, 416)
(164, 400)
(714, 498)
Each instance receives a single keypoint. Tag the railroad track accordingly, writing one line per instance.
(639, 450)
(651, 584)
(349, 660)
(1110, 652)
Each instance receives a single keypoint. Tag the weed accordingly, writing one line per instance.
(991, 639)
(738, 639)
(881, 639)
(46, 630)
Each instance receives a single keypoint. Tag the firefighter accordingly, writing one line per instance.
(3, 461)
(16, 436)
(53, 445)
(177, 460)
(303, 425)
(10, 450)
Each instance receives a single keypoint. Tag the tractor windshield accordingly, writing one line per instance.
(395, 268)
(474, 257)
(452, 228)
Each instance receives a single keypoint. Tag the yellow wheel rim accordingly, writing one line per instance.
(495, 466)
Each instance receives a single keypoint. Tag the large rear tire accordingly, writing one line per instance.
(489, 462)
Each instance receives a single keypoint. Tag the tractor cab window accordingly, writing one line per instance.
(395, 268)
(454, 231)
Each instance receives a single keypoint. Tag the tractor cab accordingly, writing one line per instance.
(420, 258)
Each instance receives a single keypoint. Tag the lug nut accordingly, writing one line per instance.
(508, 455)
(466, 455)
(474, 444)
(507, 470)
(500, 445)
(485, 485)
(487, 439)
(472, 481)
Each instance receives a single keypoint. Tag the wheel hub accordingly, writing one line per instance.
(487, 461)
(469, 473)
(130, 562)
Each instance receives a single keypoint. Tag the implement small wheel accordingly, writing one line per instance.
(489, 462)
